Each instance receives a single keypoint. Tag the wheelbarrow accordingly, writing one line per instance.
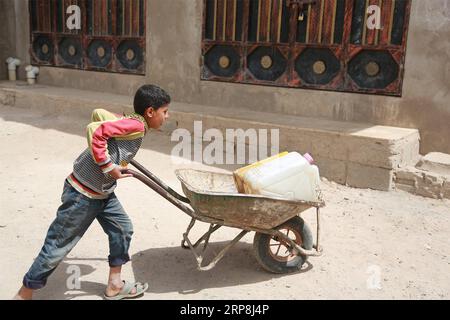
(282, 242)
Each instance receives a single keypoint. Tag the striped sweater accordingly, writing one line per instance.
(113, 140)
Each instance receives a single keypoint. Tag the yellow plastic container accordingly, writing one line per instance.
(290, 176)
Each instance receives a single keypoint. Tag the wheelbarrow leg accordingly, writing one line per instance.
(317, 246)
(186, 234)
(208, 235)
(213, 263)
(205, 237)
(212, 229)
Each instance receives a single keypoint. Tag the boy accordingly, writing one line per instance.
(89, 193)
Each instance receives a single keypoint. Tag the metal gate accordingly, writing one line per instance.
(111, 37)
(315, 44)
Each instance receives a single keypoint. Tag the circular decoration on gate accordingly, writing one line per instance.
(130, 54)
(222, 61)
(43, 48)
(99, 53)
(267, 63)
(317, 66)
(71, 51)
(373, 69)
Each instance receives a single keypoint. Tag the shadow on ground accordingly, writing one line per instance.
(60, 283)
(168, 270)
(175, 270)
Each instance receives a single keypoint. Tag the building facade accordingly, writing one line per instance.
(251, 55)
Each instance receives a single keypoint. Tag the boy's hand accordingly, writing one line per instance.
(117, 173)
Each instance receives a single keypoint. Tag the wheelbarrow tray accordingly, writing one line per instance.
(214, 195)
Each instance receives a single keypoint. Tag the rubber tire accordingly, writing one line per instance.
(261, 248)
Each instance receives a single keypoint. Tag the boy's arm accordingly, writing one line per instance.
(98, 134)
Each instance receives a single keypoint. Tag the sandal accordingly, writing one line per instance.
(125, 292)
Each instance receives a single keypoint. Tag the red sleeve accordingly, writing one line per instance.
(100, 132)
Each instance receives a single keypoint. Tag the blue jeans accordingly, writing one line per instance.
(73, 218)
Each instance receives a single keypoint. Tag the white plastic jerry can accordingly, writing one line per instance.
(240, 173)
(292, 177)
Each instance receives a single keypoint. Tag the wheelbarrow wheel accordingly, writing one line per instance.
(274, 255)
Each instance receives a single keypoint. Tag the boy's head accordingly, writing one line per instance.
(152, 103)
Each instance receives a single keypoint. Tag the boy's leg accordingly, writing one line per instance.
(117, 225)
(73, 218)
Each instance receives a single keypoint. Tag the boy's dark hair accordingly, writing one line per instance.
(148, 96)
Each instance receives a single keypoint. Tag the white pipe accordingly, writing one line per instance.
(32, 72)
(13, 63)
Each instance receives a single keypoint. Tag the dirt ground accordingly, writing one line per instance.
(377, 245)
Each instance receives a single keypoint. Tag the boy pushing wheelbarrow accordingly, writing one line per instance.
(88, 194)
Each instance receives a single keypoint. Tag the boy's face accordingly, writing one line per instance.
(156, 118)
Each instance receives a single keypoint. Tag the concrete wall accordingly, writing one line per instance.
(7, 33)
(173, 51)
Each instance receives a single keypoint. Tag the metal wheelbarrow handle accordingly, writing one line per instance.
(161, 188)
(158, 181)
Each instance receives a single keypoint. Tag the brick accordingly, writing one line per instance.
(406, 151)
(433, 179)
(431, 186)
(333, 170)
(446, 189)
(369, 152)
(406, 188)
(388, 154)
(329, 146)
(361, 176)
(429, 191)
(407, 180)
(402, 184)
(423, 183)
(408, 174)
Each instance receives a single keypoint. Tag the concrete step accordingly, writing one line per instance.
(357, 154)
(435, 162)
